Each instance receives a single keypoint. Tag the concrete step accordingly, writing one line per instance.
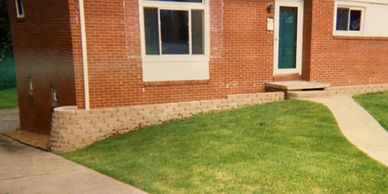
(296, 85)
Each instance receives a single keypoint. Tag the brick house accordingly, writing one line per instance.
(103, 55)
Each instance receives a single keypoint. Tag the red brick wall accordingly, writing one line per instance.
(241, 54)
(42, 48)
(344, 61)
(307, 19)
(48, 48)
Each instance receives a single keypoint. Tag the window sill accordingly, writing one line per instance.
(350, 37)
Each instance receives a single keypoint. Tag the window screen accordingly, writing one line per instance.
(197, 31)
(151, 28)
(355, 20)
(342, 18)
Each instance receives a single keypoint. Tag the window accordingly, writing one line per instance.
(349, 19)
(172, 27)
(174, 39)
(19, 8)
(360, 18)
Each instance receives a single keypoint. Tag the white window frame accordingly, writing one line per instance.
(349, 32)
(178, 66)
(17, 9)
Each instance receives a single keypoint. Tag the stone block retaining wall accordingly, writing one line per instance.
(340, 90)
(358, 89)
(73, 128)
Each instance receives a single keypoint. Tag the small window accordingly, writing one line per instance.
(19, 8)
(151, 28)
(197, 31)
(349, 19)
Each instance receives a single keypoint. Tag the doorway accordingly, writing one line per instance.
(288, 37)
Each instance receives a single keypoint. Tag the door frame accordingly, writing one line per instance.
(299, 48)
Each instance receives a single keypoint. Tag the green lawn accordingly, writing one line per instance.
(282, 147)
(8, 98)
(377, 105)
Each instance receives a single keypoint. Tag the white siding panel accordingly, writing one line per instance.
(376, 20)
(175, 71)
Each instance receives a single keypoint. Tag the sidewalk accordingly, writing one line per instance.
(358, 126)
(9, 119)
(27, 170)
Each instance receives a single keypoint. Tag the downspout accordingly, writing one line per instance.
(84, 54)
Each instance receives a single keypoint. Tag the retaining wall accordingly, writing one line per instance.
(342, 90)
(73, 128)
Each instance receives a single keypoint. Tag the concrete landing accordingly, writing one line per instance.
(33, 139)
(358, 126)
(25, 170)
(296, 85)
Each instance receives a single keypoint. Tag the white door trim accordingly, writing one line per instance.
(300, 5)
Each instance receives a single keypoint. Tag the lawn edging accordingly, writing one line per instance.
(73, 128)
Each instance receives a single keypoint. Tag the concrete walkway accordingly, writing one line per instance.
(9, 119)
(358, 126)
(27, 170)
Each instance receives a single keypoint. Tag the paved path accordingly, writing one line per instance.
(27, 170)
(358, 126)
(9, 119)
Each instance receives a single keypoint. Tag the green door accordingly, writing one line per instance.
(288, 23)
